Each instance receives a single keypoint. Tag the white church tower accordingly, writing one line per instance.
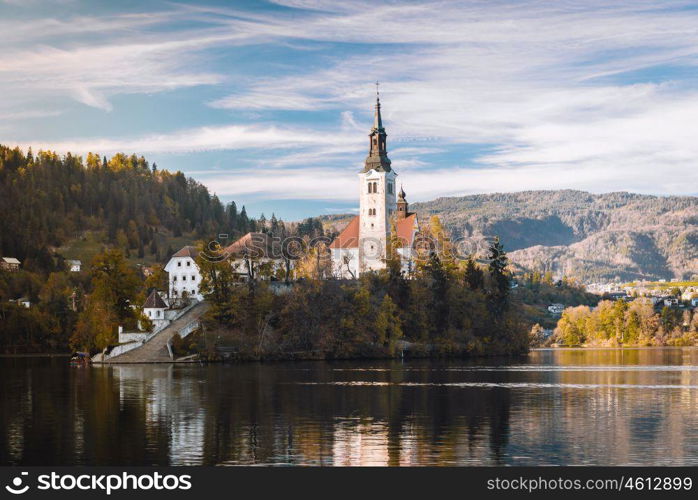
(377, 198)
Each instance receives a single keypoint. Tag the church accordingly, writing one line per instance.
(361, 246)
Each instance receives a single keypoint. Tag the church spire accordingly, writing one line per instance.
(377, 158)
(377, 120)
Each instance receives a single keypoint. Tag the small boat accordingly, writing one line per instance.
(80, 359)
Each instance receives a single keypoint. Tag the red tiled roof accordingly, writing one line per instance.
(349, 237)
(257, 244)
(406, 230)
(187, 251)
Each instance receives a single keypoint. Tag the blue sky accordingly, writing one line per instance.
(270, 103)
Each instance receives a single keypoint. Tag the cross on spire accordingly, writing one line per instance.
(377, 120)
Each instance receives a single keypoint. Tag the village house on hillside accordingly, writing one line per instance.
(74, 266)
(184, 275)
(9, 264)
(362, 245)
(255, 255)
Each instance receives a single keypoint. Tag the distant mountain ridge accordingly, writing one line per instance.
(575, 233)
(590, 236)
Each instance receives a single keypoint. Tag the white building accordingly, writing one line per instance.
(24, 302)
(9, 264)
(556, 309)
(362, 245)
(184, 275)
(155, 308)
(259, 249)
(74, 266)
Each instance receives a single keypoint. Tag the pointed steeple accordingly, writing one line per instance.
(377, 120)
(378, 152)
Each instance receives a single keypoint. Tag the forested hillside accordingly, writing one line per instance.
(50, 200)
(588, 236)
(118, 216)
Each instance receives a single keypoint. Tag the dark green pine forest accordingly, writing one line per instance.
(49, 200)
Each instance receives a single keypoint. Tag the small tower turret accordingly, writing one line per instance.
(402, 205)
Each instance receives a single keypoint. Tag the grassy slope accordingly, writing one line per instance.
(92, 242)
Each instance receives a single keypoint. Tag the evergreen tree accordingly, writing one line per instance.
(154, 247)
(232, 213)
(243, 222)
(473, 275)
(498, 262)
(437, 280)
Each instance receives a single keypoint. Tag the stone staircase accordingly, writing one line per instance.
(154, 350)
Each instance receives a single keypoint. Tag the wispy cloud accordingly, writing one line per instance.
(478, 95)
(217, 138)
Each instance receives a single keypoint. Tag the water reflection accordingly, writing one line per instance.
(605, 407)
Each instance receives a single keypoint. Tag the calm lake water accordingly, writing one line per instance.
(577, 407)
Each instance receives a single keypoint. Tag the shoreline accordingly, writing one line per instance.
(600, 347)
(305, 359)
(37, 355)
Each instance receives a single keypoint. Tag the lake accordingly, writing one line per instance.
(561, 407)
